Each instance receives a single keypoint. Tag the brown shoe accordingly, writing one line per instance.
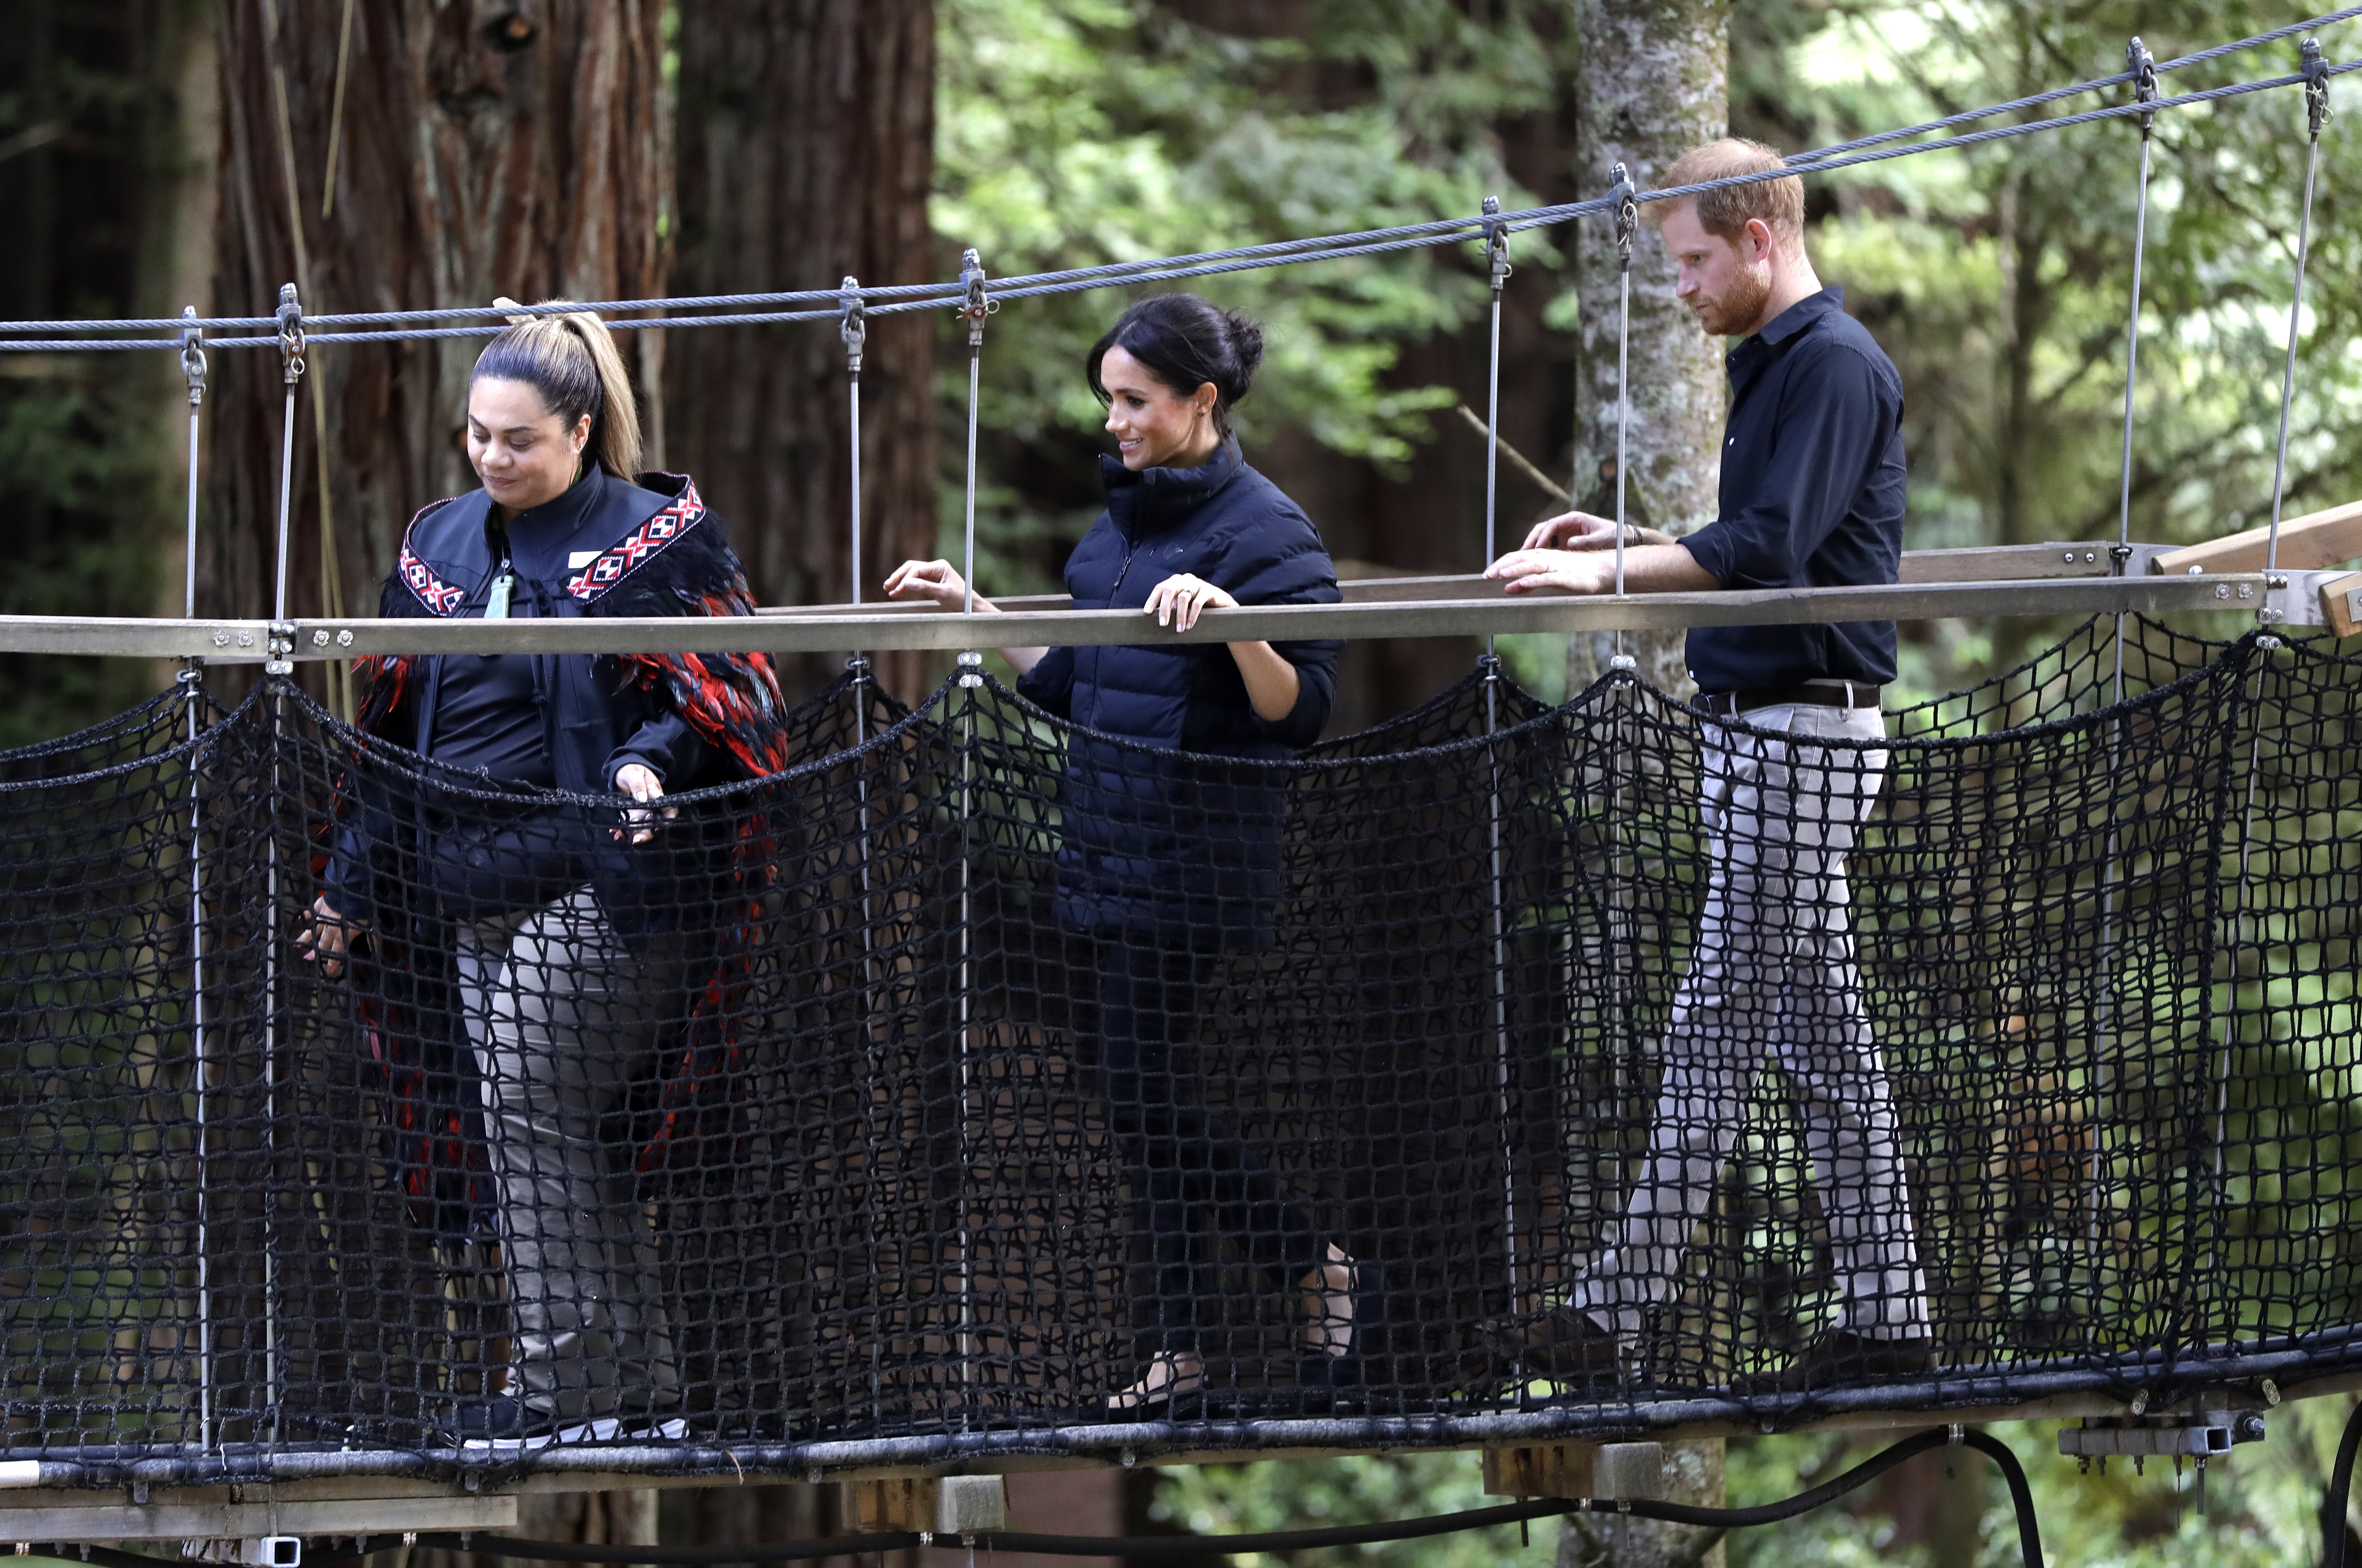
(1564, 1344)
(1841, 1356)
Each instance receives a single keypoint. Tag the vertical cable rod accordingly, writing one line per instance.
(978, 305)
(1619, 1034)
(854, 331)
(290, 359)
(2316, 112)
(192, 369)
(2141, 66)
(1497, 258)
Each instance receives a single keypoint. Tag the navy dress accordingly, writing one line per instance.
(1172, 815)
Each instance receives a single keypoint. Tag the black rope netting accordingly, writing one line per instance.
(921, 1097)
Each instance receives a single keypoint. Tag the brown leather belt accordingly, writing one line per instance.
(1814, 694)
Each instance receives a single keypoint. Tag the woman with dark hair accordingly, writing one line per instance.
(1169, 861)
(552, 942)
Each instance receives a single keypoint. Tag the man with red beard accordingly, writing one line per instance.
(1812, 496)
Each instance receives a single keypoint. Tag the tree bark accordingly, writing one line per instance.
(1655, 82)
(483, 149)
(807, 153)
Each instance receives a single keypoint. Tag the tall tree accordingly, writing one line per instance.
(1654, 83)
(478, 150)
(807, 155)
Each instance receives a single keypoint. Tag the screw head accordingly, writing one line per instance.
(221, 639)
(344, 638)
(320, 639)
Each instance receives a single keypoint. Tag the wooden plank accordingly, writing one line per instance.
(2327, 538)
(2340, 604)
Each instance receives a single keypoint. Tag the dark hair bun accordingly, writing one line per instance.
(1186, 343)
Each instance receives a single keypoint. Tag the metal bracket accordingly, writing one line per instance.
(1496, 242)
(978, 303)
(192, 357)
(971, 670)
(2200, 1434)
(855, 327)
(1627, 214)
(290, 333)
(2316, 84)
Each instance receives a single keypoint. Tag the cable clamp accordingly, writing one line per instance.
(1625, 662)
(290, 333)
(977, 304)
(1955, 1435)
(971, 671)
(192, 357)
(855, 326)
(193, 670)
(2315, 67)
(2141, 66)
(1628, 213)
(1496, 242)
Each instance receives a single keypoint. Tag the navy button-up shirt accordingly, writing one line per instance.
(1812, 497)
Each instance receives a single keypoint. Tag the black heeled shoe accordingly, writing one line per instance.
(1347, 1368)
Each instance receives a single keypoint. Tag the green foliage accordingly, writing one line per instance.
(2262, 1504)
(1313, 1493)
(1076, 132)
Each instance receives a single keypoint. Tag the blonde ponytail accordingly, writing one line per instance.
(571, 360)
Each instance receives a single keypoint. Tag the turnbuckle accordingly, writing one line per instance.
(1628, 213)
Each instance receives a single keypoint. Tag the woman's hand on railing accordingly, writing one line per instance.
(936, 580)
(1272, 685)
(1180, 599)
(640, 782)
(941, 581)
(329, 937)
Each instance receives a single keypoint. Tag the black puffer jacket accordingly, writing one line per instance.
(1172, 819)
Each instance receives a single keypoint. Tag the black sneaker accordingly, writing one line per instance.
(502, 1419)
(1841, 1356)
(1566, 1345)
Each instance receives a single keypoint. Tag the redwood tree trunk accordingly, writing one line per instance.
(1655, 82)
(807, 151)
(482, 149)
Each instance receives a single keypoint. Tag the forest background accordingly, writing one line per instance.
(149, 147)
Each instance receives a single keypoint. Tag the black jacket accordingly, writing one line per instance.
(606, 547)
(1182, 847)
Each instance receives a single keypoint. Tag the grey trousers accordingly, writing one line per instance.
(1773, 981)
(558, 1010)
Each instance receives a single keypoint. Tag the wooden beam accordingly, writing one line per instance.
(2340, 604)
(2317, 539)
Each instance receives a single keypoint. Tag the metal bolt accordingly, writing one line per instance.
(245, 638)
(344, 639)
(2068, 557)
(221, 639)
(2246, 590)
(320, 638)
(2250, 1427)
(2196, 571)
(2222, 590)
(2090, 555)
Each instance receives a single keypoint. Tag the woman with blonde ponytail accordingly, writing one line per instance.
(515, 932)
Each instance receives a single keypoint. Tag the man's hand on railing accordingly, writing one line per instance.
(1581, 531)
